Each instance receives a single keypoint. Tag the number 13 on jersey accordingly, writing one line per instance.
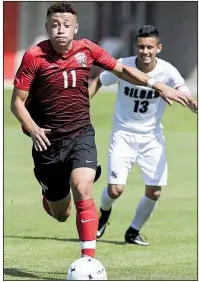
(65, 75)
(141, 106)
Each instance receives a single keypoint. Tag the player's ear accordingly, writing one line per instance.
(159, 48)
(76, 28)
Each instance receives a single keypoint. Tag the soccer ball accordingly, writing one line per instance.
(86, 268)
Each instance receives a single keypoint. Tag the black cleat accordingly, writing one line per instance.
(103, 221)
(133, 236)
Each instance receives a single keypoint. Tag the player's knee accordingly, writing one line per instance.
(115, 191)
(153, 193)
(82, 190)
(81, 183)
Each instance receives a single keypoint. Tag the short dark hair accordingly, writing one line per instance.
(147, 31)
(62, 7)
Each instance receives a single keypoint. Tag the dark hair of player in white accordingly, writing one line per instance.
(148, 31)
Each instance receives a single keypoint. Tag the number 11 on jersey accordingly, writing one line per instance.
(65, 75)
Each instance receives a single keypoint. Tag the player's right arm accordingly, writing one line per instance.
(21, 113)
(134, 76)
(24, 77)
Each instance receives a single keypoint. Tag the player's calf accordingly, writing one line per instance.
(108, 197)
(86, 217)
(87, 224)
(62, 216)
(46, 206)
(60, 210)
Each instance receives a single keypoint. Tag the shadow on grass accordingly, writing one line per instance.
(24, 274)
(64, 239)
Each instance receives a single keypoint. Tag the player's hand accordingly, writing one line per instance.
(194, 107)
(170, 94)
(192, 104)
(39, 138)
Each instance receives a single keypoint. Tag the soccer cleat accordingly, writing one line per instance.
(133, 236)
(103, 221)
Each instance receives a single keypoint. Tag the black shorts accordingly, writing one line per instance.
(54, 166)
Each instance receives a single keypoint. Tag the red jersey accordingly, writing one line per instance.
(58, 85)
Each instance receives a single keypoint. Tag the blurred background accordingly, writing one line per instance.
(113, 26)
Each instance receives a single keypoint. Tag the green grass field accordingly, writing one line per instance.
(36, 247)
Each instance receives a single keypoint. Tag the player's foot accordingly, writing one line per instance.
(132, 236)
(103, 221)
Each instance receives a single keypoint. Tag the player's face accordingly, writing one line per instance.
(147, 49)
(61, 28)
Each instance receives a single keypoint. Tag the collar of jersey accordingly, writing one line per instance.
(63, 56)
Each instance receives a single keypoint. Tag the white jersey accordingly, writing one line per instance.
(139, 109)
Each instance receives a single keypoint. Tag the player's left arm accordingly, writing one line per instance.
(177, 81)
(94, 86)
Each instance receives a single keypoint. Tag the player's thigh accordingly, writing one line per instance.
(84, 165)
(52, 174)
(121, 157)
(153, 163)
(54, 181)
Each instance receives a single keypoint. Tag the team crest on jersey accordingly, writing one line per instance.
(81, 59)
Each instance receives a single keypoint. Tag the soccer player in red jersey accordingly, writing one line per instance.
(51, 101)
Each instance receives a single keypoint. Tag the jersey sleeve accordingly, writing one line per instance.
(26, 72)
(102, 58)
(175, 79)
(107, 78)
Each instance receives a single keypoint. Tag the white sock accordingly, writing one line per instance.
(106, 201)
(144, 210)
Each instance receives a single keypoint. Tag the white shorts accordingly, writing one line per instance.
(147, 151)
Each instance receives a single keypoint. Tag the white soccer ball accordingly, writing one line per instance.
(86, 268)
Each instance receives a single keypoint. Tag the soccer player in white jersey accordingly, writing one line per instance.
(137, 135)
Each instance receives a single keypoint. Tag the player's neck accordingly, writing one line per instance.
(62, 49)
(146, 67)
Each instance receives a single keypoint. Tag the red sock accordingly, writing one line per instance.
(45, 205)
(87, 225)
